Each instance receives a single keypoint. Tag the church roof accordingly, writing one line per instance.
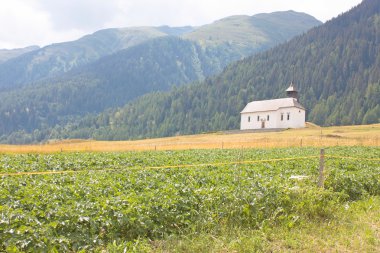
(271, 105)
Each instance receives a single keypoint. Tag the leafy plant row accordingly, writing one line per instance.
(86, 211)
(10, 163)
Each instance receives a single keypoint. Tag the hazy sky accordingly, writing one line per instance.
(42, 22)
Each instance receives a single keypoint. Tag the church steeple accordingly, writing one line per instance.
(292, 91)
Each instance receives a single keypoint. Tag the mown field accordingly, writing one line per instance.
(312, 136)
(216, 200)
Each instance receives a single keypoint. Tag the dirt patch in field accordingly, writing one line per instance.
(333, 136)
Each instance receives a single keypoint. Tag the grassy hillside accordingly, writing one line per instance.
(253, 33)
(234, 29)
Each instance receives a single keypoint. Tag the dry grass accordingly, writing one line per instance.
(366, 135)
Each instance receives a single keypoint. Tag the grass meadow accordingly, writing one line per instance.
(312, 136)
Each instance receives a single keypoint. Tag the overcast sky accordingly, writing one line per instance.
(42, 22)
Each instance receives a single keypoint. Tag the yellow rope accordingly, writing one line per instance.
(353, 158)
(38, 173)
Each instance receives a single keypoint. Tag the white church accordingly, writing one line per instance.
(274, 113)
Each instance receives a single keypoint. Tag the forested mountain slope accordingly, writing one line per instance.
(335, 66)
(109, 82)
(60, 58)
(70, 82)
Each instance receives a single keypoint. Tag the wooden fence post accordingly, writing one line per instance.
(321, 168)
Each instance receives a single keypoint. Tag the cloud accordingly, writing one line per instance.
(23, 25)
(198, 12)
(13, 28)
(155, 13)
(80, 15)
(43, 22)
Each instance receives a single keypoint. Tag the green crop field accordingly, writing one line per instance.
(189, 201)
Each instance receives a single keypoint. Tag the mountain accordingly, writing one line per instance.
(109, 82)
(53, 60)
(64, 82)
(336, 67)
(252, 34)
(175, 31)
(59, 58)
(7, 54)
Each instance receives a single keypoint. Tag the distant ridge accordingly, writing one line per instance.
(59, 58)
(255, 33)
(7, 54)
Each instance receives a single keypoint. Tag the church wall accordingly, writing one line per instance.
(272, 119)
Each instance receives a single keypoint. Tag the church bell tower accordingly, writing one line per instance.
(292, 91)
